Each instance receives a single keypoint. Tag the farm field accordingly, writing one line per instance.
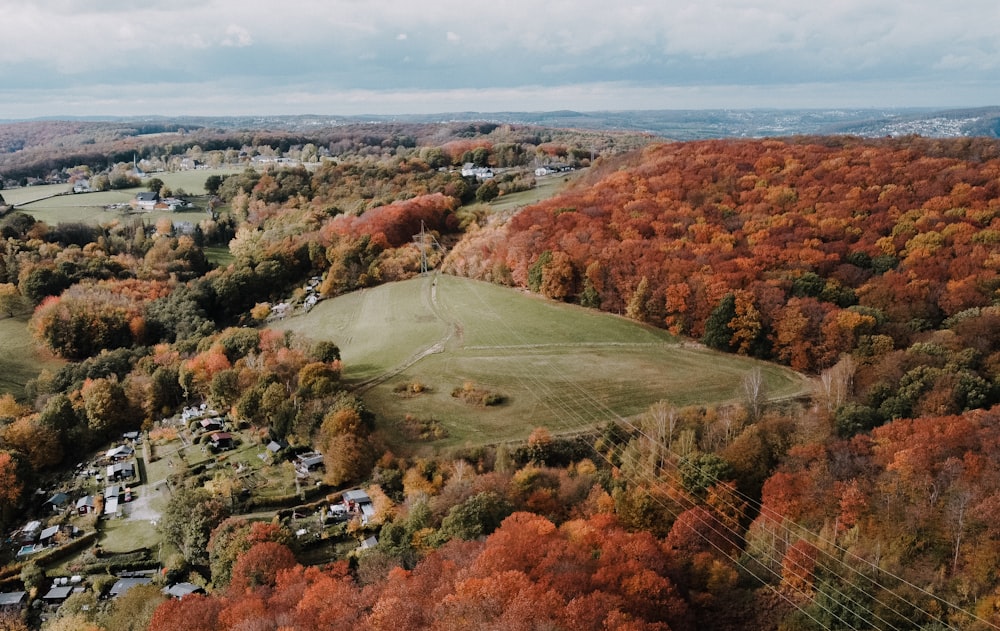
(49, 204)
(20, 360)
(556, 365)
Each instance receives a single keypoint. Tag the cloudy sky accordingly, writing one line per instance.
(238, 57)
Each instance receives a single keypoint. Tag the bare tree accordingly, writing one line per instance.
(754, 393)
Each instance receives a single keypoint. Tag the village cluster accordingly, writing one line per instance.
(66, 520)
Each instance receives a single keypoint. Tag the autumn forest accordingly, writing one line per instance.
(871, 267)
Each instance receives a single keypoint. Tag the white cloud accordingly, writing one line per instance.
(395, 46)
(237, 36)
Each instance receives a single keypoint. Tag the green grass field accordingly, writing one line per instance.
(557, 365)
(20, 359)
(40, 203)
(546, 187)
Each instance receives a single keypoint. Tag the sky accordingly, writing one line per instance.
(351, 57)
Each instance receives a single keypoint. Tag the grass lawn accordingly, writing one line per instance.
(20, 358)
(38, 201)
(546, 187)
(219, 255)
(556, 365)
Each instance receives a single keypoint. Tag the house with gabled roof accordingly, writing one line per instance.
(58, 501)
(146, 200)
(86, 504)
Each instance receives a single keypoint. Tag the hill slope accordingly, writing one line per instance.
(555, 365)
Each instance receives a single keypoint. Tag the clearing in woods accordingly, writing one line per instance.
(555, 365)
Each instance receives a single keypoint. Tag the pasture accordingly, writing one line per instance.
(20, 359)
(54, 204)
(555, 365)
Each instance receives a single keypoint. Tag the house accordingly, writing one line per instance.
(359, 503)
(10, 601)
(308, 462)
(81, 186)
(145, 200)
(57, 593)
(29, 534)
(58, 501)
(480, 173)
(211, 424)
(120, 471)
(47, 536)
(180, 590)
(122, 585)
(121, 452)
(369, 543)
(111, 499)
(86, 505)
(222, 440)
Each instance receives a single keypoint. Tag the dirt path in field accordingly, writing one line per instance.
(454, 330)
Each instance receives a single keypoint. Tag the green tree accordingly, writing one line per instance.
(11, 301)
(107, 406)
(213, 183)
(718, 335)
(476, 517)
(188, 520)
(703, 471)
(487, 191)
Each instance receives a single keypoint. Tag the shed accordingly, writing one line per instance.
(30, 531)
(222, 440)
(211, 424)
(180, 590)
(122, 585)
(47, 534)
(120, 471)
(309, 462)
(85, 504)
(58, 593)
(121, 452)
(13, 600)
(111, 497)
(57, 501)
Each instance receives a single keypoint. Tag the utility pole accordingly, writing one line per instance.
(425, 241)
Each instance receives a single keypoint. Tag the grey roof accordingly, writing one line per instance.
(358, 496)
(12, 598)
(49, 532)
(179, 590)
(146, 196)
(58, 593)
(310, 460)
(86, 500)
(122, 585)
(58, 499)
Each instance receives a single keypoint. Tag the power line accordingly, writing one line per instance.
(565, 409)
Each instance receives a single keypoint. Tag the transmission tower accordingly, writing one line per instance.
(426, 242)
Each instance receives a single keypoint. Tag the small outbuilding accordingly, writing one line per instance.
(58, 501)
(86, 505)
(222, 440)
(13, 600)
(122, 585)
(180, 590)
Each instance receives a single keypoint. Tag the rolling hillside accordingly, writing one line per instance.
(556, 365)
